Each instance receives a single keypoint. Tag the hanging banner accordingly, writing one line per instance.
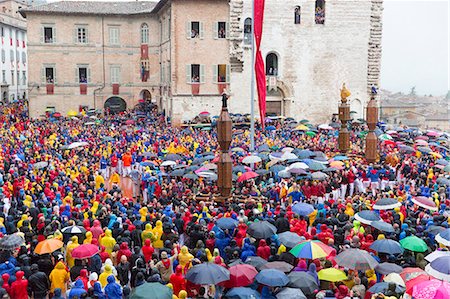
(259, 62)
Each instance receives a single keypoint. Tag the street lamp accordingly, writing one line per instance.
(344, 117)
(224, 166)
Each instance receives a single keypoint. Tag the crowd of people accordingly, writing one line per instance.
(62, 179)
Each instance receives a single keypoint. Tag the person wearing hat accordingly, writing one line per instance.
(38, 283)
(165, 265)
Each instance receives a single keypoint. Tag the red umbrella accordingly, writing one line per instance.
(247, 176)
(412, 282)
(57, 114)
(241, 276)
(84, 251)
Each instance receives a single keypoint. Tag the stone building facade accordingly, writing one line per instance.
(197, 49)
(14, 60)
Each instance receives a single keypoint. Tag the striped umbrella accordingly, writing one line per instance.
(425, 203)
(311, 250)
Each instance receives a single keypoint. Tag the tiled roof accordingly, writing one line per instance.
(92, 7)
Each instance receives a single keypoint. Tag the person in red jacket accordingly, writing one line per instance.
(177, 280)
(84, 278)
(124, 250)
(263, 250)
(147, 250)
(19, 288)
(6, 286)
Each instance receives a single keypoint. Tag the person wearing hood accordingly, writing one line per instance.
(312, 270)
(157, 234)
(59, 278)
(84, 278)
(185, 258)
(88, 239)
(58, 294)
(108, 241)
(105, 274)
(123, 251)
(247, 251)
(177, 280)
(96, 229)
(147, 233)
(113, 290)
(222, 241)
(74, 244)
(148, 250)
(263, 250)
(98, 293)
(19, 288)
(77, 290)
(38, 283)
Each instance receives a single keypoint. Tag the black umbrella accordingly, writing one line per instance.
(10, 242)
(261, 230)
(262, 171)
(382, 287)
(387, 268)
(434, 229)
(303, 281)
(383, 226)
(227, 223)
(278, 265)
(255, 261)
(177, 172)
(207, 273)
(289, 239)
(173, 157)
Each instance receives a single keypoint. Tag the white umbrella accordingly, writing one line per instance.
(298, 165)
(251, 160)
(325, 127)
(90, 123)
(39, 165)
(436, 254)
(287, 149)
(168, 163)
(288, 156)
(77, 144)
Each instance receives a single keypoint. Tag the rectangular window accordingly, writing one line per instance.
(115, 74)
(49, 35)
(320, 12)
(82, 75)
(50, 75)
(221, 30)
(195, 73)
(18, 78)
(17, 56)
(195, 29)
(11, 55)
(3, 55)
(114, 35)
(82, 35)
(297, 15)
(221, 73)
(24, 78)
(12, 77)
(3, 31)
(4, 76)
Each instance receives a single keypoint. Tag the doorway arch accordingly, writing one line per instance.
(356, 109)
(145, 95)
(272, 64)
(115, 105)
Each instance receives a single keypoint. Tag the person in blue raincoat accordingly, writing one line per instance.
(77, 290)
(113, 290)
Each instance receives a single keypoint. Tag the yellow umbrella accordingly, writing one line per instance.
(72, 113)
(48, 246)
(436, 155)
(301, 128)
(332, 274)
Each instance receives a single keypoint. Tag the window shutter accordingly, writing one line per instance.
(227, 30)
(75, 35)
(54, 75)
(201, 30)
(188, 30)
(54, 35)
(188, 74)
(215, 30)
(77, 79)
(42, 35)
(88, 70)
(87, 35)
(215, 68)
(202, 73)
(228, 74)
(43, 79)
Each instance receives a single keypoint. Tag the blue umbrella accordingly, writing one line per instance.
(227, 223)
(442, 162)
(302, 209)
(387, 246)
(383, 226)
(388, 268)
(270, 128)
(304, 154)
(367, 216)
(386, 204)
(444, 237)
(272, 278)
(263, 148)
(340, 158)
(243, 293)
(277, 168)
(382, 287)
(207, 273)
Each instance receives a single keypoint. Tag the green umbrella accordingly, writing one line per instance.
(362, 133)
(447, 168)
(414, 243)
(310, 133)
(153, 290)
(304, 121)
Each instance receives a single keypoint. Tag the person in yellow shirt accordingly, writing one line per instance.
(99, 180)
(157, 233)
(108, 241)
(74, 244)
(114, 179)
(88, 239)
(59, 277)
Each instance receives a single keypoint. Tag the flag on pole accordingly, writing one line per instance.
(259, 63)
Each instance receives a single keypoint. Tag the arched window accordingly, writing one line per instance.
(297, 15)
(272, 64)
(248, 31)
(144, 33)
(320, 11)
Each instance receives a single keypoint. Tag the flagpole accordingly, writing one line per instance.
(252, 85)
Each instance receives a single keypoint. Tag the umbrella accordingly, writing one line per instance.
(241, 275)
(40, 165)
(173, 157)
(383, 226)
(270, 128)
(85, 251)
(311, 250)
(290, 293)
(48, 246)
(247, 176)
(77, 144)
(411, 273)
(367, 216)
(447, 168)
(227, 223)
(290, 239)
(251, 159)
(425, 150)
(284, 174)
(414, 243)
(237, 149)
(191, 176)
(297, 171)
(332, 274)
(243, 293)
(299, 165)
(272, 278)
(387, 268)
(444, 237)
(177, 172)
(406, 149)
(386, 204)
(395, 278)
(434, 229)
(72, 113)
(255, 261)
(320, 176)
(73, 230)
(382, 287)
(425, 203)
(337, 164)
(262, 171)
(356, 259)
(387, 246)
(302, 209)
(431, 289)
(168, 163)
(303, 281)
(129, 122)
(207, 273)
(278, 265)
(315, 165)
(10, 242)
(153, 290)
(340, 158)
(436, 254)
(261, 230)
(439, 268)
